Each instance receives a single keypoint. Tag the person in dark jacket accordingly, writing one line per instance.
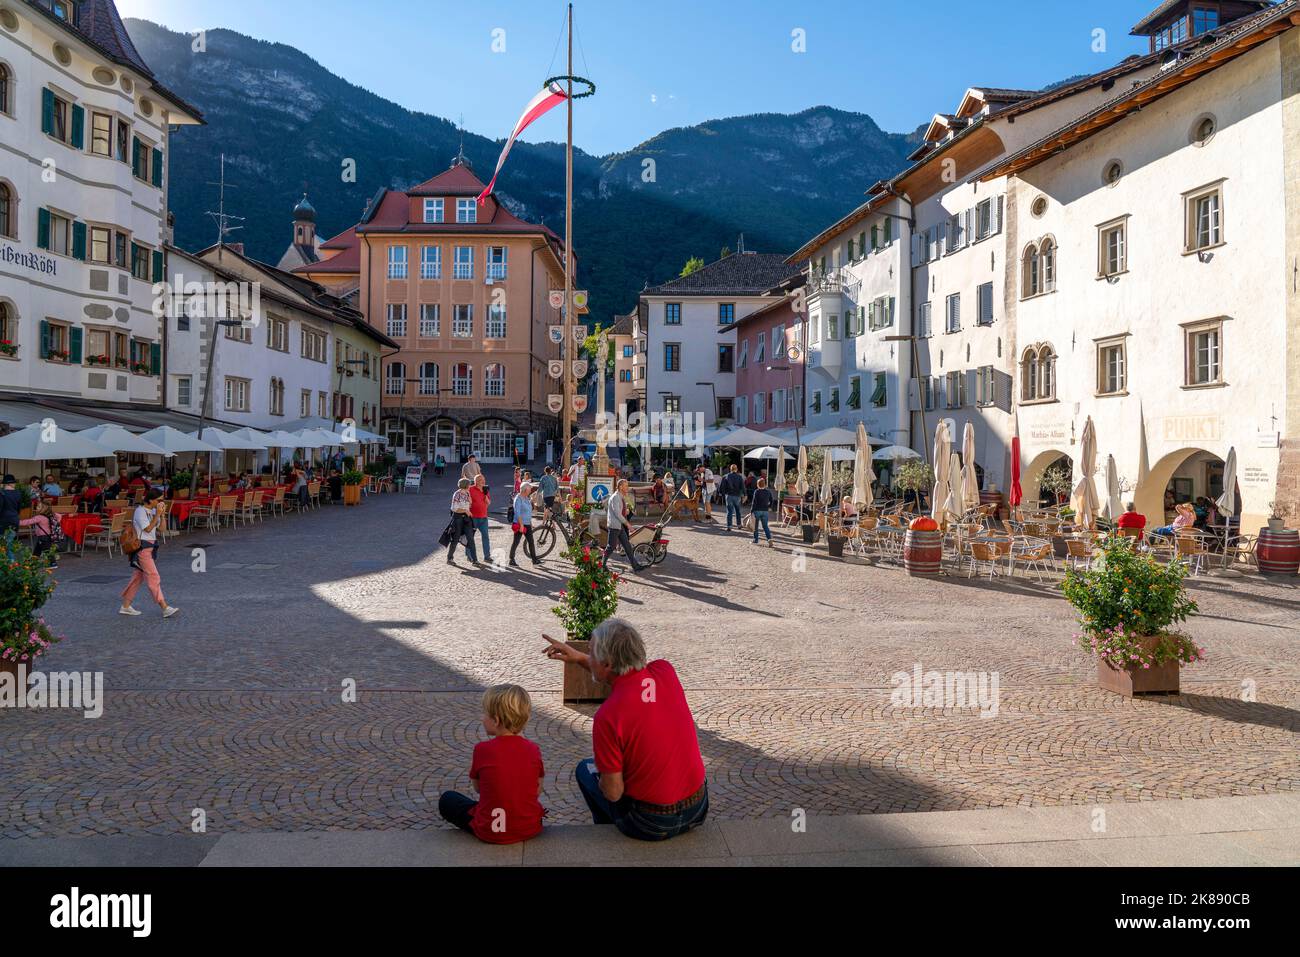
(760, 507)
(733, 488)
(11, 504)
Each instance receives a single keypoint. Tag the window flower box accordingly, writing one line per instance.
(57, 355)
(7, 348)
(140, 368)
(97, 360)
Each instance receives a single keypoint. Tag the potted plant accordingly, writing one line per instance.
(1275, 521)
(588, 598)
(97, 360)
(25, 586)
(1057, 481)
(7, 348)
(24, 502)
(914, 478)
(180, 484)
(1128, 604)
(352, 482)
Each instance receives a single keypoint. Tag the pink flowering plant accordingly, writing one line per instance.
(1128, 604)
(25, 586)
(590, 596)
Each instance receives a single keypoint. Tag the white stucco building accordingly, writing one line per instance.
(1156, 238)
(84, 146)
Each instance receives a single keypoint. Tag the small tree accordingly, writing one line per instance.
(694, 264)
(914, 478)
(590, 596)
(1057, 481)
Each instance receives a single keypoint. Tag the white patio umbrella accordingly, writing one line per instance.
(970, 484)
(37, 443)
(864, 476)
(174, 440)
(769, 453)
(779, 487)
(942, 451)
(742, 439)
(120, 440)
(831, 436)
(894, 453)
(1085, 493)
(801, 480)
(1113, 507)
(1227, 502)
(228, 441)
(828, 467)
(246, 434)
(838, 454)
(315, 439)
(955, 506)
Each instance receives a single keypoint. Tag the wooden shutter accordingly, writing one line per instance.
(875, 237)
(1002, 390)
(135, 155)
(996, 215)
(157, 266)
(862, 242)
(45, 339)
(43, 228)
(970, 386)
(78, 127)
(79, 241)
(47, 111)
(74, 345)
(890, 305)
(155, 358)
(851, 247)
(156, 171)
(889, 231)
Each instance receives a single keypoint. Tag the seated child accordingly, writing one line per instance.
(507, 771)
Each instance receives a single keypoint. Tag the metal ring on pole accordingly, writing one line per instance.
(575, 79)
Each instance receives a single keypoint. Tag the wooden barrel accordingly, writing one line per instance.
(1278, 551)
(993, 498)
(923, 552)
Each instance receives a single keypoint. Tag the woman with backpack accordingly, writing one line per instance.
(140, 541)
(49, 531)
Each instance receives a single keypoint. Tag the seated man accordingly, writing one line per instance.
(647, 777)
(1131, 519)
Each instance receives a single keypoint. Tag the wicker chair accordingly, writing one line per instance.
(983, 556)
(1038, 560)
(107, 536)
(1078, 553)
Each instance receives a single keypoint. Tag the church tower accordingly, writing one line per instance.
(305, 248)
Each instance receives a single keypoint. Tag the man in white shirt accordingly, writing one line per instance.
(616, 522)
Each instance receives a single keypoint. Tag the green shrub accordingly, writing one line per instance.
(25, 586)
(590, 596)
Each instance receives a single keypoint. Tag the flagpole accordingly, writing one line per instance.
(567, 351)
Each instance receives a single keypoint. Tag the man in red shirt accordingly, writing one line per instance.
(647, 777)
(479, 500)
(1132, 518)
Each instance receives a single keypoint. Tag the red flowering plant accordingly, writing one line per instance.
(591, 595)
(1127, 603)
(7, 348)
(25, 586)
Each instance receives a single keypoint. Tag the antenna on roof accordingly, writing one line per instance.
(220, 215)
(460, 152)
(740, 244)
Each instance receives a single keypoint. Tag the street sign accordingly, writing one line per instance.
(599, 489)
(414, 476)
(521, 445)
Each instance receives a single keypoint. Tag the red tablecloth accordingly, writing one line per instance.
(181, 509)
(76, 526)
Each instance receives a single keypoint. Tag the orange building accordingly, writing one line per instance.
(464, 290)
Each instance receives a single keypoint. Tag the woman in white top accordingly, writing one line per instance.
(146, 520)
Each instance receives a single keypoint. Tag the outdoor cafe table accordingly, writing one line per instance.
(76, 526)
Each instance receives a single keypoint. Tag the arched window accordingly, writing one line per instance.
(277, 396)
(494, 380)
(462, 379)
(6, 209)
(1047, 255)
(429, 378)
(1030, 283)
(8, 332)
(394, 383)
(1029, 375)
(1046, 373)
(5, 85)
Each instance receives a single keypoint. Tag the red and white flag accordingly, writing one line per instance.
(549, 97)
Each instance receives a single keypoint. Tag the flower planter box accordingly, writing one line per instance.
(1158, 679)
(835, 545)
(810, 534)
(352, 495)
(580, 686)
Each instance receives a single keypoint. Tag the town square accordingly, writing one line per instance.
(601, 464)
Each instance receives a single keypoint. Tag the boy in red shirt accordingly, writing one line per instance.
(507, 771)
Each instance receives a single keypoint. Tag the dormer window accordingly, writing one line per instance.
(1204, 20)
(433, 210)
(466, 211)
(65, 10)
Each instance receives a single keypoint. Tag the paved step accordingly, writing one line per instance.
(1238, 831)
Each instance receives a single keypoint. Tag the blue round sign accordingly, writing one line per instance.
(599, 493)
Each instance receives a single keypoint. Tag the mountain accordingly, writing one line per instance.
(287, 125)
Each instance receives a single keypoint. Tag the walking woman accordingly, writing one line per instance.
(146, 519)
(523, 524)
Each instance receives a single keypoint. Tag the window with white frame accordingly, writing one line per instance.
(1038, 374)
(463, 265)
(184, 390)
(778, 342)
(1204, 345)
(760, 408)
(1204, 218)
(397, 262)
(494, 380)
(431, 262)
(1112, 248)
(314, 344)
(394, 378)
(462, 379)
(462, 321)
(880, 391)
(237, 394)
(956, 390)
(433, 211)
(815, 332)
(1112, 366)
(929, 393)
(924, 328)
(984, 301)
(496, 262)
(496, 322)
(780, 405)
(855, 392)
(277, 333)
(672, 314)
(466, 211)
(984, 396)
(742, 410)
(760, 353)
(953, 313)
(397, 319)
(428, 384)
(833, 401)
(430, 320)
(988, 218)
(277, 396)
(795, 410)
(832, 326)
(304, 403)
(881, 314)
(744, 353)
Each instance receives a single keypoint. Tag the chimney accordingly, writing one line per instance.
(236, 248)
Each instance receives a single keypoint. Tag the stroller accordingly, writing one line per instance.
(648, 542)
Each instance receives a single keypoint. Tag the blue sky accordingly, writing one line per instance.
(666, 63)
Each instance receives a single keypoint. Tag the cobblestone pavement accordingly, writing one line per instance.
(236, 706)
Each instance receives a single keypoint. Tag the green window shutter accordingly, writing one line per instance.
(875, 237)
(78, 127)
(45, 339)
(155, 358)
(43, 228)
(156, 171)
(47, 111)
(79, 241)
(135, 156)
(889, 231)
(862, 242)
(157, 266)
(74, 345)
